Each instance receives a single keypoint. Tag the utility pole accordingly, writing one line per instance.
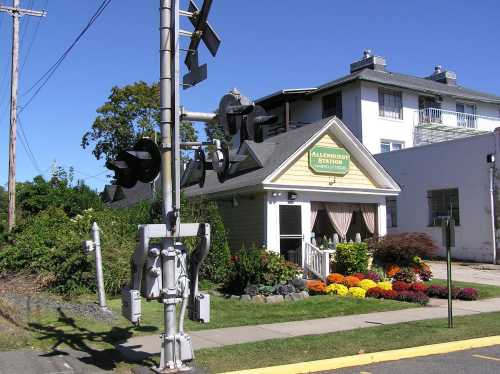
(16, 12)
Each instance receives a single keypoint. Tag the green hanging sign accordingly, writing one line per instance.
(329, 160)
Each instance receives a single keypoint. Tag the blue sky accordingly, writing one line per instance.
(267, 46)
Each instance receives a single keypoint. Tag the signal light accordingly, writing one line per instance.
(141, 163)
(255, 122)
(195, 170)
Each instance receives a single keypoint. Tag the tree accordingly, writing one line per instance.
(214, 131)
(130, 113)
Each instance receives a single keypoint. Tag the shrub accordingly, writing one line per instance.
(375, 292)
(390, 294)
(413, 297)
(337, 289)
(379, 272)
(385, 285)
(406, 275)
(267, 290)
(284, 289)
(392, 270)
(468, 294)
(435, 290)
(366, 284)
(316, 287)
(418, 287)
(350, 281)
(335, 278)
(401, 286)
(400, 249)
(357, 292)
(258, 266)
(351, 258)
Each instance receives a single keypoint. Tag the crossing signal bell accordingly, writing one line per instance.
(141, 163)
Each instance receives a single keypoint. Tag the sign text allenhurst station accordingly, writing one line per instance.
(329, 160)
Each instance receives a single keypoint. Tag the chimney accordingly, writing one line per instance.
(369, 61)
(443, 76)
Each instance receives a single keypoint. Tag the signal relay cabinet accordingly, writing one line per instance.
(147, 272)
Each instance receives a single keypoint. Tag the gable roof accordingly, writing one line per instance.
(278, 151)
(423, 85)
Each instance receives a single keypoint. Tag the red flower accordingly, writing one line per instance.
(401, 286)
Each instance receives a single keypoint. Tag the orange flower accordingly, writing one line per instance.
(335, 278)
(392, 270)
(315, 287)
(350, 281)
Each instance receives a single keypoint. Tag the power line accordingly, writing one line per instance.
(30, 46)
(26, 146)
(42, 81)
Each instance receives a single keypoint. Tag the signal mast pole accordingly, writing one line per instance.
(169, 128)
(16, 12)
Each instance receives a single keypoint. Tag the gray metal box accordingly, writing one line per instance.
(131, 305)
(202, 307)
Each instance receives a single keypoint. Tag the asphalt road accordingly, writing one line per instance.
(473, 361)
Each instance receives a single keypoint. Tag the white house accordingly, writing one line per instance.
(390, 111)
(312, 181)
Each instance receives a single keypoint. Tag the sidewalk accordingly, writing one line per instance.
(139, 347)
(468, 272)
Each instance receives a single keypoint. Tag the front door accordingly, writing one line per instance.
(291, 233)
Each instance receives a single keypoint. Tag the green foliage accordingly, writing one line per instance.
(215, 267)
(3, 214)
(49, 243)
(351, 258)
(130, 113)
(258, 266)
(39, 195)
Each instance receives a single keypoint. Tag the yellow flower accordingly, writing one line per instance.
(337, 289)
(385, 285)
(357, 292)
(366, 284)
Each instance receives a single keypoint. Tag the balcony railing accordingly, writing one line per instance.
(435, 116)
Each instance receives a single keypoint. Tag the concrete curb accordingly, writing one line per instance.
(371, 358)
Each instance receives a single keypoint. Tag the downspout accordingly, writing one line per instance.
(492, 214)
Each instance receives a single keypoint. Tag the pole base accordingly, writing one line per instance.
(186, 369)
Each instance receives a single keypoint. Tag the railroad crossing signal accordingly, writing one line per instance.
(141, 163)
(202, 31)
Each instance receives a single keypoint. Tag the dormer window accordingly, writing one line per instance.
(390, 103)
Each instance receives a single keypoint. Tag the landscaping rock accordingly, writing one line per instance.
(299, 284)
(245, 298)
(235, 297)
(274, 299)
(297, 296)
(258, 299)
(289, 297)
(305, 294)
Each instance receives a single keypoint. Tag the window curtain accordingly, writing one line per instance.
(369, 211)
(315, 206)
(340, 216)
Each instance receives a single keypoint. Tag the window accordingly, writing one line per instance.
(391, 206)
(390, 103)
(466, 115)
(390, 145)
(441, 204)
(332, 105)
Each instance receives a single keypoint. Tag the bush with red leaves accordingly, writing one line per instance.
(390, 294)
(375, 292)
(468, 294)
(418, 287)
(413, 297)
(401, 286)
(400, 249)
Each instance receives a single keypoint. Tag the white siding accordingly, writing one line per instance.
(456, 164)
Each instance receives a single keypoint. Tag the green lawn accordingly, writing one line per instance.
(373, 339)
(230, 313)
(485, 291)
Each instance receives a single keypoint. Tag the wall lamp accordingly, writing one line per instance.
(292, 196)
(276, 194)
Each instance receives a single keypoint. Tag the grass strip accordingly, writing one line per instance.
(366, 340)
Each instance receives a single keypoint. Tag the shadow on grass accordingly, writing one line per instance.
(82, 340)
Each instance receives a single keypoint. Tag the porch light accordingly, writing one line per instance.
(276, 194)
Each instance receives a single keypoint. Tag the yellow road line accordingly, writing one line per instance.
(487, 357)
(371, 358)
